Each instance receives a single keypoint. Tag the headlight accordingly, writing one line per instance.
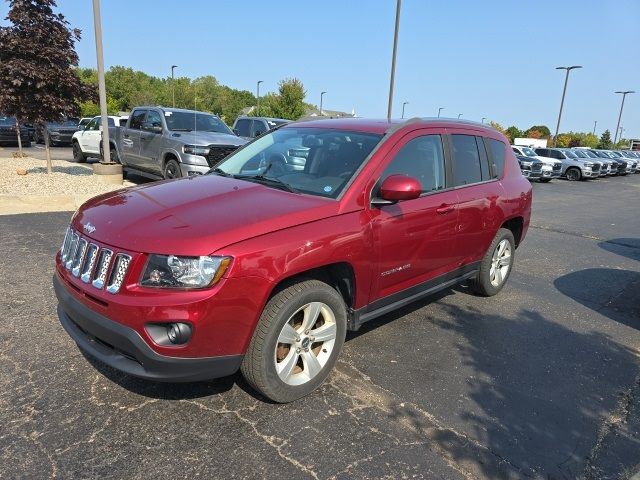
(171, 271)
(195, 150)
(54, 133)
(588, 164)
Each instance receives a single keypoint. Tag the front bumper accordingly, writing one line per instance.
(590, 173)
(60, 139)
(529, 174)
(122, 348)
(191, 170)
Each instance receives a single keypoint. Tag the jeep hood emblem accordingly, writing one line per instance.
(89, 228)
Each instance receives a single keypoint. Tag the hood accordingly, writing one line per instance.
(196, 215)
(207, 138)
(548, 160)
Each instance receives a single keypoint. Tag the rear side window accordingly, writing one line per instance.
(258, 128)
(496, 147)
(137, 117)
(466, 160)
(242, 127)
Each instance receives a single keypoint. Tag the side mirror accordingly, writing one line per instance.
(396, 188)
(236, 131)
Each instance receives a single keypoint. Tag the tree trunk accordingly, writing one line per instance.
(19, 139)
(46, 147)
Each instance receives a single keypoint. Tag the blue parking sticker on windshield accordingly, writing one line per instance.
(327, 189)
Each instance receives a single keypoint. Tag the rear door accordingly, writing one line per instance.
(476, 181)
(413, 239)
(131, 138)
(151, 143)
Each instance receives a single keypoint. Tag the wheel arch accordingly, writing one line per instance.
(515, 225)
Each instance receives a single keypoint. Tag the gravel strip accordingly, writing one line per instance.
(66, 179)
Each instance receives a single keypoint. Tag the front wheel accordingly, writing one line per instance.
(78, 156)
(573, 174)
(296, 342)
(172, 169)
(496, 264)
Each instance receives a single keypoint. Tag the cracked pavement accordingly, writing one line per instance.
(541, 381)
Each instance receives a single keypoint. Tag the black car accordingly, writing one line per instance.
(8, 133)
(60, 133)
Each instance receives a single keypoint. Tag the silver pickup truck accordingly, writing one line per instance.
(170, 142)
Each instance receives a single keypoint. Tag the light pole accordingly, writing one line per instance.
(459, 115)
(258, 96)
(483, 119)
(564, 91)
(173, 86)
(624, 94)
(595, 122)
(321, 95)
(621, 130)
(403, 104)
(393, 58)
(439, 110)
(97, 25)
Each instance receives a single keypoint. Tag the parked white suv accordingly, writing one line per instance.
(86, 143)
(551, 168)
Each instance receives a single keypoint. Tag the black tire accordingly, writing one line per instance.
(78, 156)
(482, 284)
(259, 364)
(545, 180)
(172, 169)
(113, 154)
(573, 174)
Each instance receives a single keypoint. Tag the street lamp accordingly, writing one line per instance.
(173, 86)
(621, 130)
(483, 119)
(624, 94)
(321, 95)
(439, 110)
(595, 122)
(564, 91)
(258, 97)
(459, 115)
(393, 59)
(403, 104)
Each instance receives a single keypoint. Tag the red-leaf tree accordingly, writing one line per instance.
(38, 81)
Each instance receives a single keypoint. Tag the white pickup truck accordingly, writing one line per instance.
(86, 142)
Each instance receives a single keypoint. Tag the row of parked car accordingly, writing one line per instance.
(578, 163)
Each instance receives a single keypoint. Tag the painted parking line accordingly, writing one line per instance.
(38, 146)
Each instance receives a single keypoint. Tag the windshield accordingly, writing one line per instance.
(69, 122)
(590, 154)
(580, 154)
(528, 152)
(7, 120)
(317, 161)
(615, 155)
(195, 121)
(569, 154)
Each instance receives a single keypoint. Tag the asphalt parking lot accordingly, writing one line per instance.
(541, 381)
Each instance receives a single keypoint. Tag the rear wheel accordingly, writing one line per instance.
(496, 264)
(172, 169)
(573, 174)
(296, 342)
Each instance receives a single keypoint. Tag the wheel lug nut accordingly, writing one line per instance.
(297, 350)
(297, 339)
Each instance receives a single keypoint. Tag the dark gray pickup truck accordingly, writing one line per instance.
(169, 142)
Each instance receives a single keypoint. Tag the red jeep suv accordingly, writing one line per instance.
(266, 261)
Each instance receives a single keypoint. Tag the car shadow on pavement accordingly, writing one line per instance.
(71, 170)
(626, 247)
(611, 292)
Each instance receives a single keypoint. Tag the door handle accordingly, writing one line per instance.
(444, 208)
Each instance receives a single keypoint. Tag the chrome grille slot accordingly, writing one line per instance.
(103, 267)
(75, 239)
(90, 262)
(64, 251)
(118, 272)
(81, 251)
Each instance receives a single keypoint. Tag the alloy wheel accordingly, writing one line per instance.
(500, 263)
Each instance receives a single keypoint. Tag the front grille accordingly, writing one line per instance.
(596, 167)
(536, 167)
(218, 152)
(92, 263)
(557, 167)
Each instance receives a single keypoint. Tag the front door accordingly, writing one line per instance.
(90, 137)
(151, 143)
(414, 239)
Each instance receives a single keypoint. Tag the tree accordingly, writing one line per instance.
(290, 101)
(497, 126)
(38, 81)
(513, 132)
(623, 144)
(543, 129)
(533, 133)
(605, 140)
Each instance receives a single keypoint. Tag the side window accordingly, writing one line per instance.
(485, 171)
(92, 125)
(242, 126)
(110, 122)
(154, 118)
(496, 147)
(558, 155)
(137, 117)
(258, 128)
(466, 161)
(423, 159)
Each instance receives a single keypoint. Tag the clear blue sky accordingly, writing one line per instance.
(491, 59)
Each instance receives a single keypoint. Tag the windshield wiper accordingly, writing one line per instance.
(222, 173)
(272, 181)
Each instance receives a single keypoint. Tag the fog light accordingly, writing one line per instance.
(178, 333)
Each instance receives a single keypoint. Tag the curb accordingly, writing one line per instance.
(17, 204)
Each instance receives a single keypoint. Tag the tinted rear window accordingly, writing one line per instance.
(466, 161)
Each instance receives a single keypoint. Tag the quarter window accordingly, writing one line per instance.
(242, 127)
(466, 160)
(496, 147)
(136, 119)
(421, 158)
